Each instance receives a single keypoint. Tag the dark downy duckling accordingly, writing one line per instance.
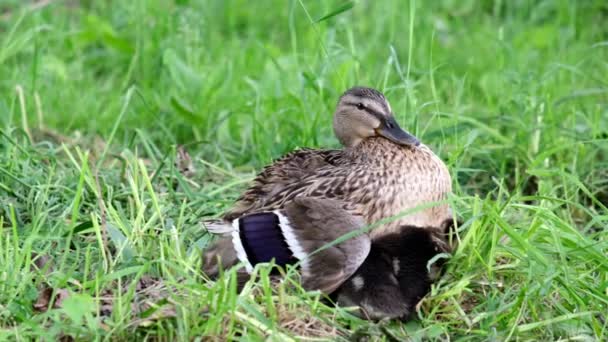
(394, 277)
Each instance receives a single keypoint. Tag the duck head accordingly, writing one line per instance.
(363, 113)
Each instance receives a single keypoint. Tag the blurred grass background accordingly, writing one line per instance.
(95, 97)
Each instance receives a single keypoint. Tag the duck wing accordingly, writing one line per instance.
(317, 224)
(282, 174)
(305, 231)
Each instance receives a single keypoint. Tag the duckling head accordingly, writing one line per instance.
(364, 113)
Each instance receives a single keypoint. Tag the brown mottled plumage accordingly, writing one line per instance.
(373, 176)
(381, 172)
(376, 179)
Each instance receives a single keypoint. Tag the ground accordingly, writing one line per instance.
(124, 123)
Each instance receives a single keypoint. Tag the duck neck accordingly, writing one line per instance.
(380, 151)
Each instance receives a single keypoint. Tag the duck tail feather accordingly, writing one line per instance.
(218, 226)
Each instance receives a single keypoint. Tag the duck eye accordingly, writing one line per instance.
(360, 106)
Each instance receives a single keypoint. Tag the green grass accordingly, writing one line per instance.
(95, 97)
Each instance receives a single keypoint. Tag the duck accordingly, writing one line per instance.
(381, 171)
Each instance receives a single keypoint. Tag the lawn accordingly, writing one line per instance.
(124, 123)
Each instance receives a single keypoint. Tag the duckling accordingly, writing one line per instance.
(394, 277)
(381, 172)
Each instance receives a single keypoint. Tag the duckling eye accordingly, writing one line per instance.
(360, 106)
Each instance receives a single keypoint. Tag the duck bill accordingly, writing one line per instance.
(391, 131)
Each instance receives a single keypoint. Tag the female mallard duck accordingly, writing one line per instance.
(382, 171)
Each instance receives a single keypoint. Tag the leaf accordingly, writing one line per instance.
(40, 261)
(123, 272)
(181, 73)
(82, 227)
(340, 9)
(101, 30)
(152, 302)
(120, 241)
(434, 259)
(183, 162)
(78, 306)
(44, 299)
(12, 44)
(162, 309)
(181, 109)
(200, 244)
